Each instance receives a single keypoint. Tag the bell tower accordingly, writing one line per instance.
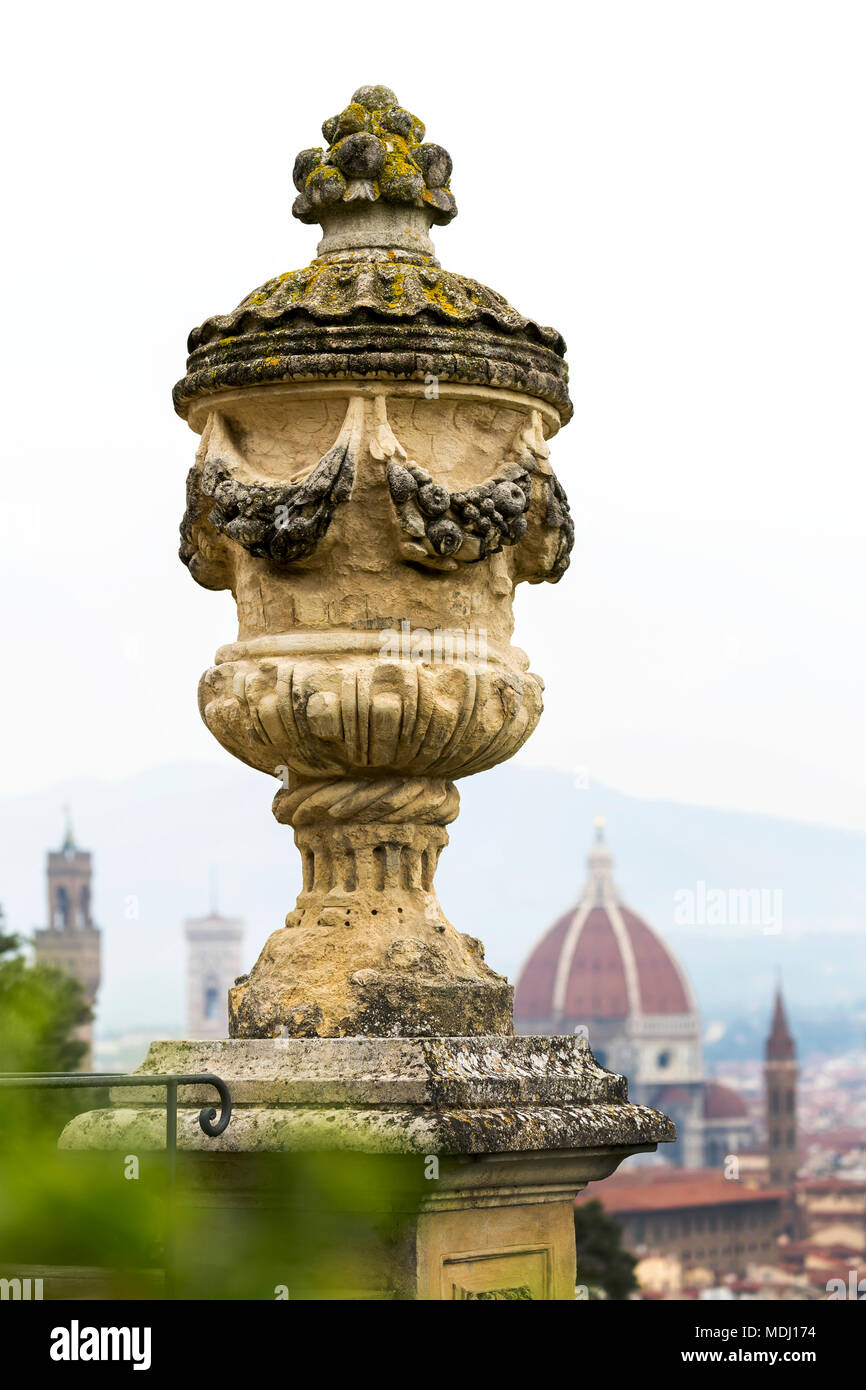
(213, 964)
(71, 943)
(780, 1080)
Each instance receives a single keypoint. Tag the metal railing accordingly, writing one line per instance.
(211, 1122)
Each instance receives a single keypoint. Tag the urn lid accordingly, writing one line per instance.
(375, 302)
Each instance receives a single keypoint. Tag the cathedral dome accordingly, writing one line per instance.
(721, 1103)
(600, 962)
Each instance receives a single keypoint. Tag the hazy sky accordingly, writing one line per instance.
(677, 187)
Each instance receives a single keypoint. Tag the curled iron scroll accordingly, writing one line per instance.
(211, 1123)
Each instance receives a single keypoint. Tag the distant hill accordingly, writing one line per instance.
(516, 861)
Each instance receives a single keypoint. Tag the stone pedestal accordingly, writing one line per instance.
(485, 1143)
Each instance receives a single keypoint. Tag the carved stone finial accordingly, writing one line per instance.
(378, 183)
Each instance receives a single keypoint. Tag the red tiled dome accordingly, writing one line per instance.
(721, 1103)
(600, 961)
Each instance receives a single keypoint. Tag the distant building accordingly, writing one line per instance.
(824, 1203)
(213, 964)
(602, 968)
(698, 1220)
(780, 1080)
(71, 943)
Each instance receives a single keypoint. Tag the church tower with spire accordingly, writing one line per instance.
(71, 943)
(780, 1081)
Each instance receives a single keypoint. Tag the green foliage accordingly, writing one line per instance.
(300, 1223)
(53, 1210)
(602, 1265)
(313, 1223)
(39, 1009)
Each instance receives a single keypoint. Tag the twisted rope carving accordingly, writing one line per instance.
(386, 800)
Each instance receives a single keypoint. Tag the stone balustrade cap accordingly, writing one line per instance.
(451, 1095)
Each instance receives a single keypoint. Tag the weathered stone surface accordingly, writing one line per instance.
(376, 142)
(357, 319)
(375, 303)
(472, 1095)
(440, 1071)
(282, 521)
(411, 1001)
(503, 1129)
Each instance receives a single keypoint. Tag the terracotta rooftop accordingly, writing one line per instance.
(848, 1187)
(656, 1190)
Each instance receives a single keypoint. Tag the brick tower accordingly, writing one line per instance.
(780, 1078)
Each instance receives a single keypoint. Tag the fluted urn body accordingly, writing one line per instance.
(372, 481)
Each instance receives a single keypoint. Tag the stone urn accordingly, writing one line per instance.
(373, 480)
